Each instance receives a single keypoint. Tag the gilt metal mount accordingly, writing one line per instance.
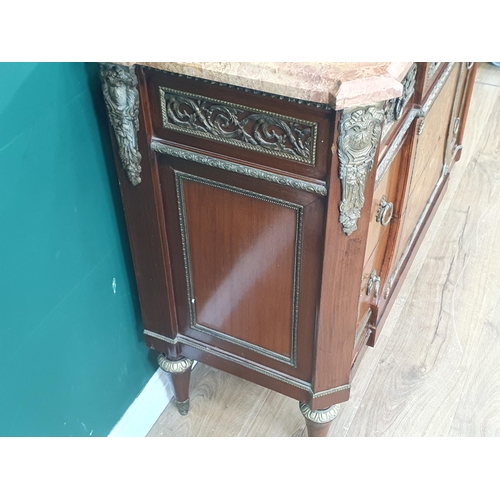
(360, 130)
(119, 86)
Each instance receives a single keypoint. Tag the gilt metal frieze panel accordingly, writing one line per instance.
(239, 125)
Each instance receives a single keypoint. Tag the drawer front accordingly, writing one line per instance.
(383, 208)
(396, 110)
(371, 282)
(247, 126)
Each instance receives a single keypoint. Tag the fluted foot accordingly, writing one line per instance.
(318, 421)
(180, 371)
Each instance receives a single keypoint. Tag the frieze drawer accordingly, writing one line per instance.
(233, 123)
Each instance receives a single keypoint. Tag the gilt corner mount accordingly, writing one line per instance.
(360, 130)
(119, 84)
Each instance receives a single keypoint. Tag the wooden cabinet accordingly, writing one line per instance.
(270, 234)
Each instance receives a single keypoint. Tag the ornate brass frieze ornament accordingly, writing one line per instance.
(119, 85)
(319, 416)
(239, 125)
(360, 130)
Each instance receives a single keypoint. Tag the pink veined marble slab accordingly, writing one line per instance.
(340, 85)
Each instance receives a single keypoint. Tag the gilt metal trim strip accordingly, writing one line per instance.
(384, 165)
(360, 130)
(119, 86)
(179, 178)
(182, 339)
(452, 130)
(391, 153)
(283, 180)
(238, 125)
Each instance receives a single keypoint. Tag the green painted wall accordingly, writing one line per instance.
(71, 354)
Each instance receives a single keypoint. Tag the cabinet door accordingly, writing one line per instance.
(427, 172)
(246, 263)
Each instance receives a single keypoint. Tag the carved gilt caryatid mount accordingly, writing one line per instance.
(360, 130)
(119, 85)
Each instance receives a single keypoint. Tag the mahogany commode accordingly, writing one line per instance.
(271, 232)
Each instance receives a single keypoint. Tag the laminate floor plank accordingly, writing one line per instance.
(488, 74)
(435, 368)
(279, 416)
(220, 405)
(423, 369)
(478, 409)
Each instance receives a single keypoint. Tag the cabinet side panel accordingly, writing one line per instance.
(145, 225)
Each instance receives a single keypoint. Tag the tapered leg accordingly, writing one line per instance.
(318, 421)
(180, 370)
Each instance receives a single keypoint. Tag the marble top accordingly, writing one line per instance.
(340, 85)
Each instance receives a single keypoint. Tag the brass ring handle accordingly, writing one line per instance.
(384, 209)
(373, 283)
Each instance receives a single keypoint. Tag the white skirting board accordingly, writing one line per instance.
(147, 407)
(142, 414)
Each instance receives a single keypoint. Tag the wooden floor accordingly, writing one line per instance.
(435, 370)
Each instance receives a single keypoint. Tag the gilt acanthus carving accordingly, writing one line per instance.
(239, 125)
(119, 85)
(360, 130)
